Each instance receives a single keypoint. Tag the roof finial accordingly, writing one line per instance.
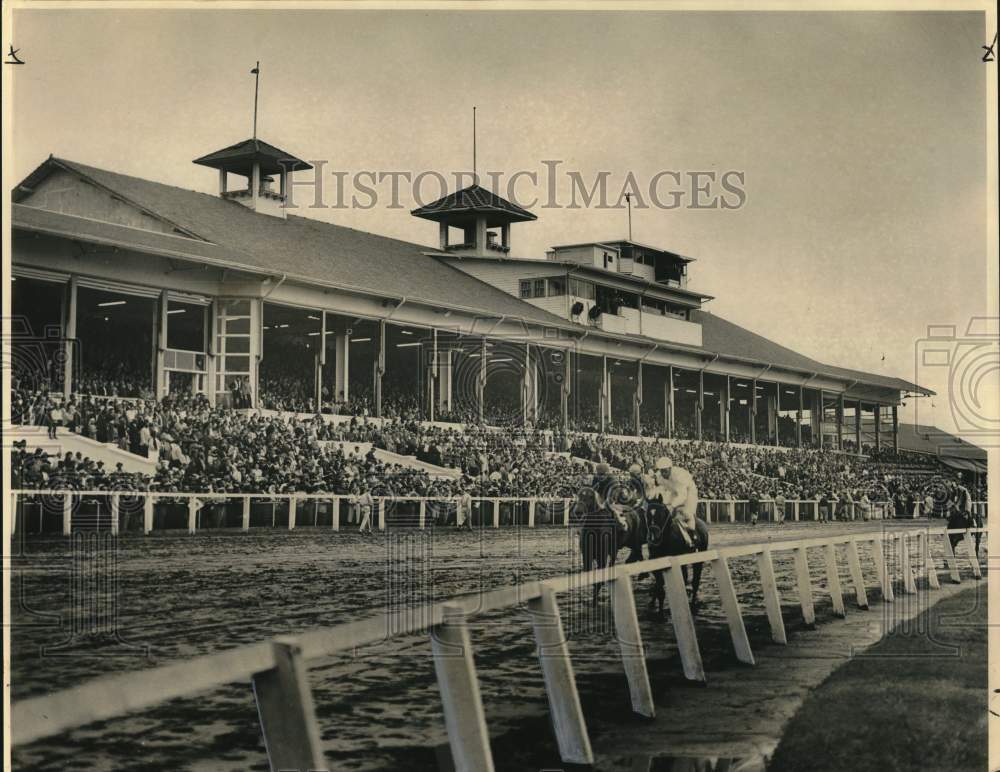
(256, 86)
(475, 175)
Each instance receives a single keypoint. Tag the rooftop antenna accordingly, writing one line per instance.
(628, 202)
(475, 176)
(256, 87)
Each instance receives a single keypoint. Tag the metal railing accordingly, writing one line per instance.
(56, 511)
(277, 669)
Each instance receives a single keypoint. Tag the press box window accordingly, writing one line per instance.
(525, 289)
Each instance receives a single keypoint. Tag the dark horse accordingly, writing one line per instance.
(665, 537)
(602, 534)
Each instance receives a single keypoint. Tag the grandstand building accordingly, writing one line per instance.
(163, 290)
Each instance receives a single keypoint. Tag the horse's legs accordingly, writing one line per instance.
(659, 593)
(695, 582)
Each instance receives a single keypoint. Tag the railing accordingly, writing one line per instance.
(277, 669)
(40, 512)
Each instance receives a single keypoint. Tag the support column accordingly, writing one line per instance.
(605, 394)
(320, 360)
(379, 368)
(637, 401)
(529, 393)
(857, 426)
(444, 359)
(255, 185)
(700, 406)
(481, 389)
(256, 349)
(753, 412)
(775, 414)
(69, 333)
(840, 422)
(432, 376)
(878, 427)
(668, 402)
(161, 345)
(895, 428)
(342, 352)
(798, 422)
(566, 390)
(724, 410)
(211, 355)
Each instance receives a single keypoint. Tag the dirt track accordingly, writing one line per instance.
(179, 596)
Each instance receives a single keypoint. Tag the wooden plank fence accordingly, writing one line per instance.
(277, 669)
(492, 512)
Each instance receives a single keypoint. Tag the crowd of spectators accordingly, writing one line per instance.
(201, 448)
(728, 472)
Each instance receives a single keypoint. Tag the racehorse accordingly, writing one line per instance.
(603, 534)
(665, 537)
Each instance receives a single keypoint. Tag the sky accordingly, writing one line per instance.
(861, 138)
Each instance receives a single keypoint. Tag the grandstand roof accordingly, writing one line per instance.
(921, 438)
(226, 233)
(306, 248)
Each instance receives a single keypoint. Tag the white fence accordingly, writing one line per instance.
(126, 511)
(277, 669)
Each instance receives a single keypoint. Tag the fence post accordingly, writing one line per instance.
(287, 714)
(67, 514)
(422, 516)
(909, 586)
(13, 513)
(192, 514)
(731, 605)
(929, 570)
(292, 506)
(804, 584)
(147, 515)
(335, 515)
(857, 577)
(772, 601)
(531, 513)
(381, 512)
(115, 506)
(732, 511)
(560, 684)
(973, 557)
(683, 622)
(833, 580)
(246, 513)
(463, 705)
(949, 556)
(795, 511)
(496, 512)
(630, 643)
(566, 511)
(885, 580)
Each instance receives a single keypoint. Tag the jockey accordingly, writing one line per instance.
(675, 488)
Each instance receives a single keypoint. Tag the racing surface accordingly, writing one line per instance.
(177, 596)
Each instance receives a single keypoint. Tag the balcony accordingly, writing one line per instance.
(670, 328)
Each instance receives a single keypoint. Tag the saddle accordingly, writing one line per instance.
(660, 519)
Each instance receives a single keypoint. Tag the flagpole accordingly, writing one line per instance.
(475, 178)
(628, 201)
(256, 88)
